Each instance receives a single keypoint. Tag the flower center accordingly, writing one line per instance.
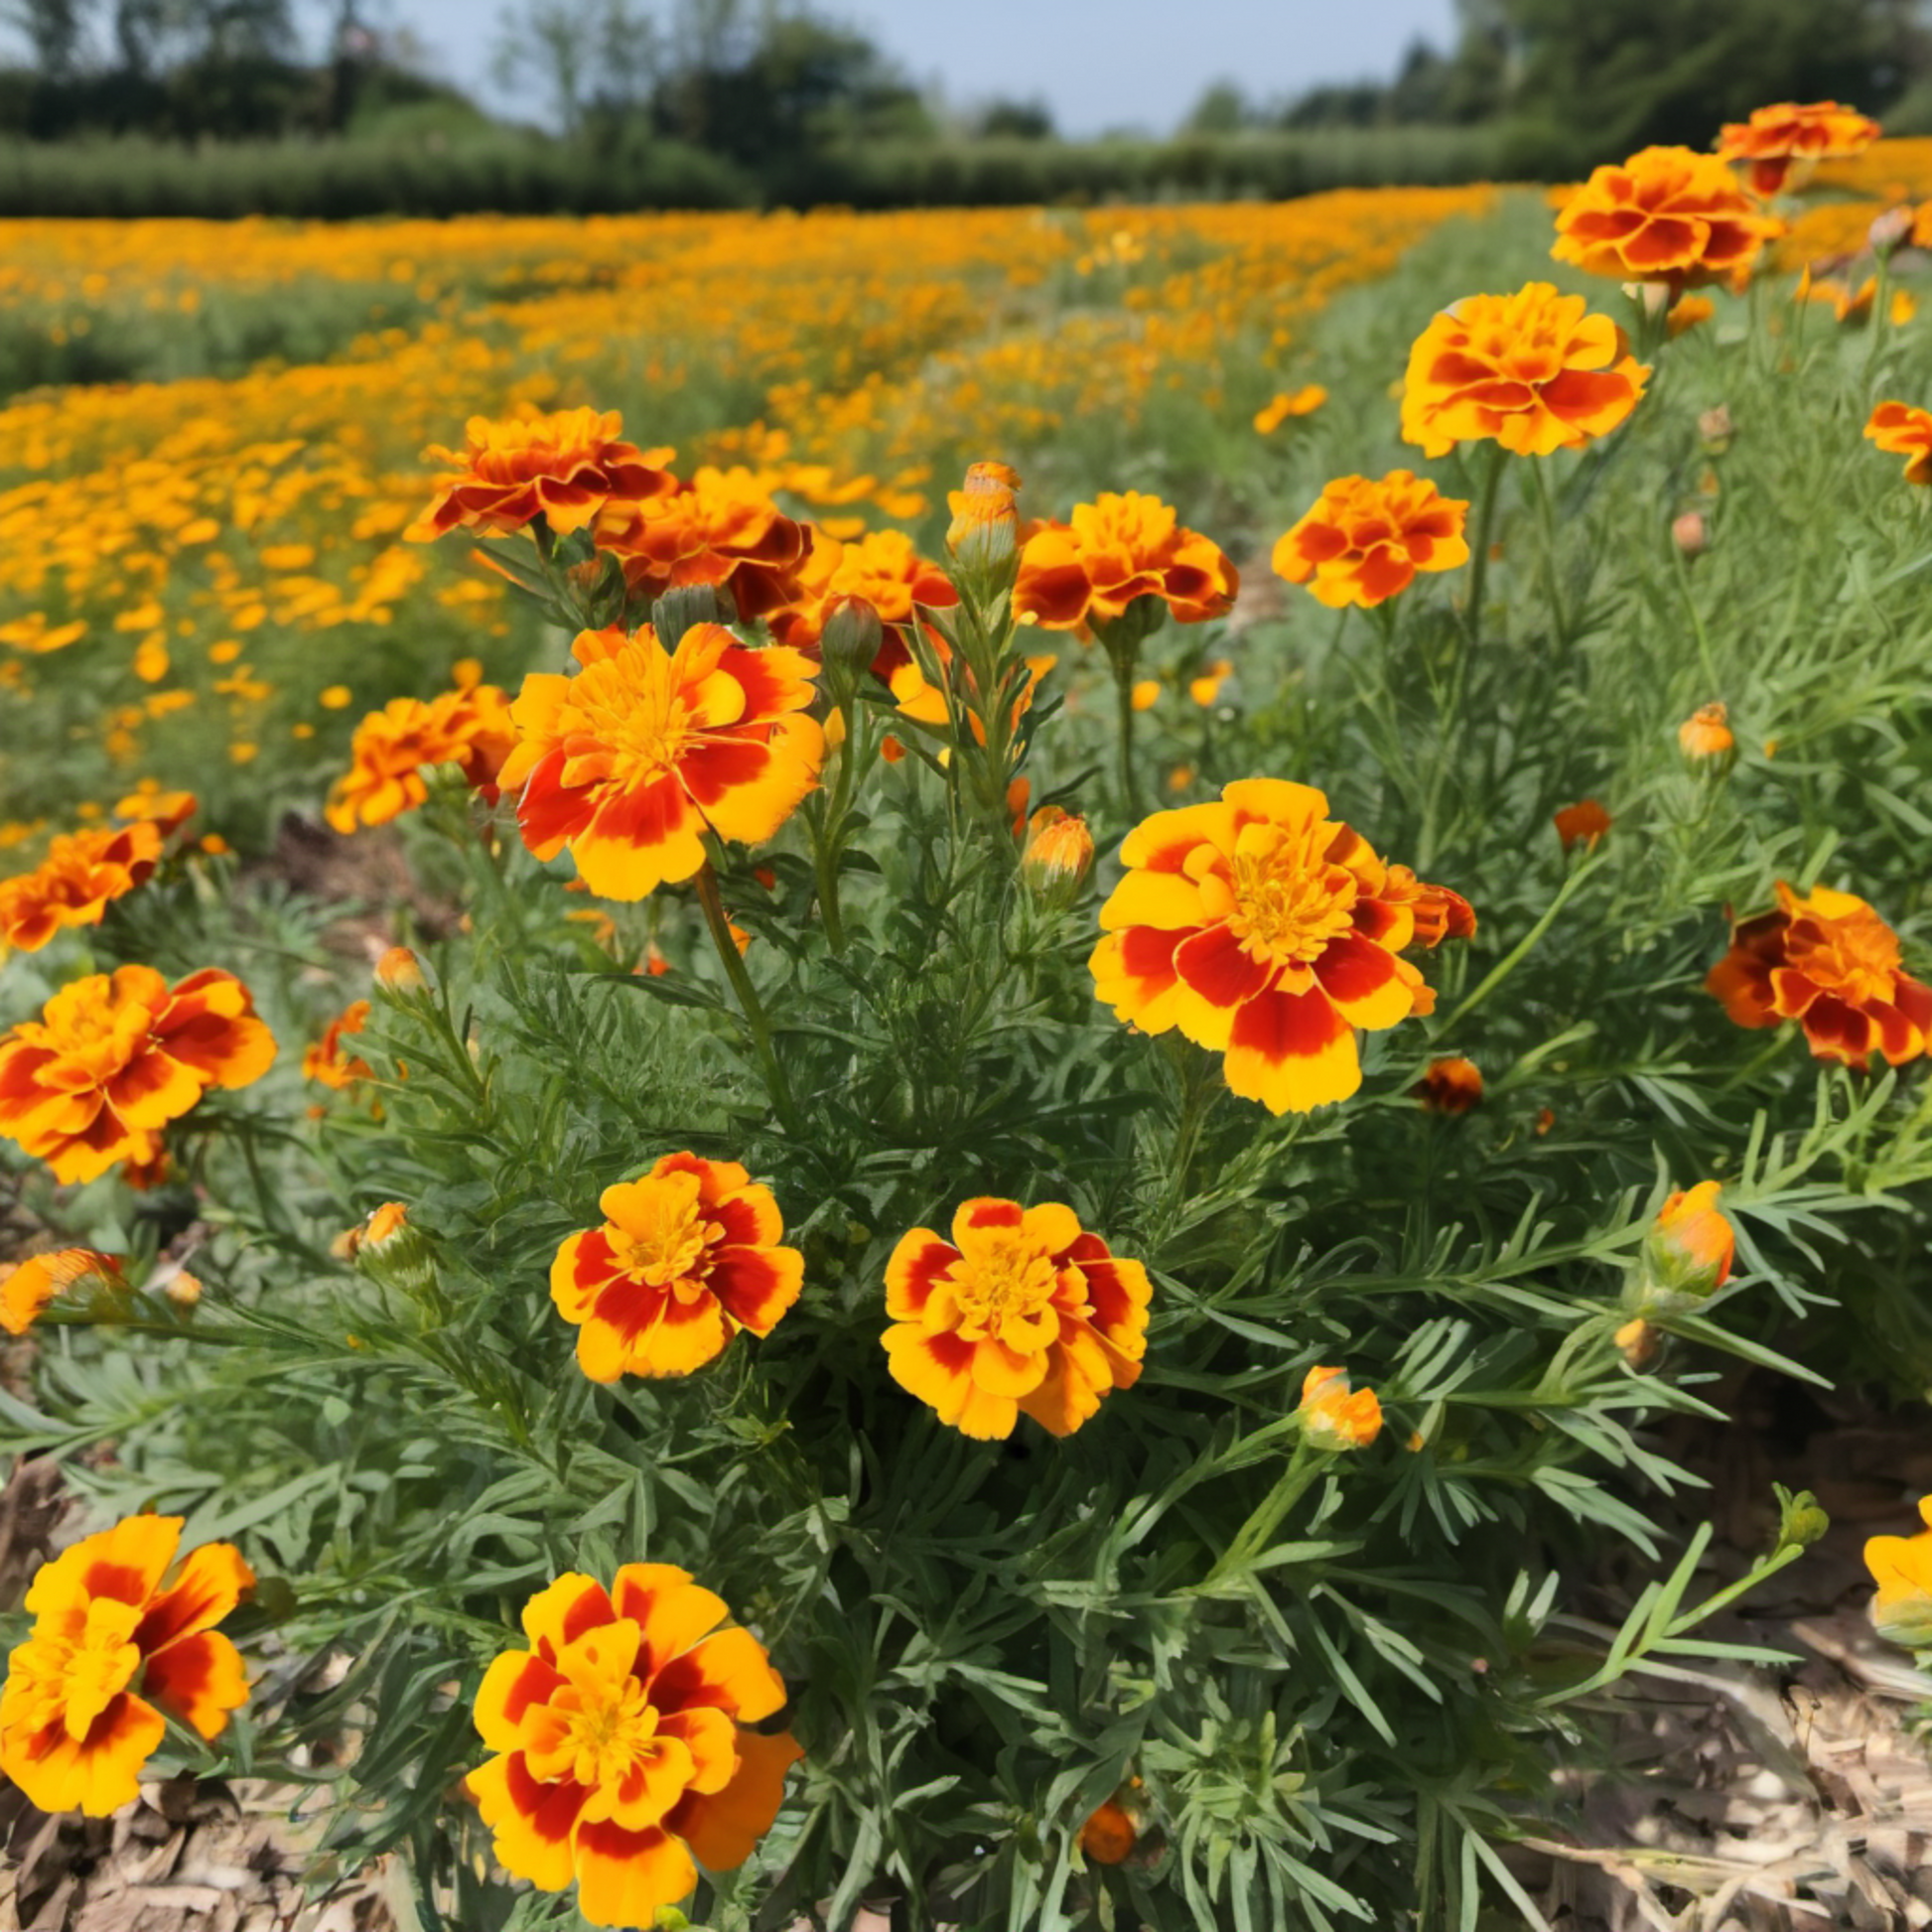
(669, 1248)
(1290, 903)
(1000, 1284)
(1853, 958)
(87, 1672)
(611, 1727)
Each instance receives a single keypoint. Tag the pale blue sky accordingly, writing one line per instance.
(1098, 63)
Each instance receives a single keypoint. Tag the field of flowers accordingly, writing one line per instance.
(939, 1089)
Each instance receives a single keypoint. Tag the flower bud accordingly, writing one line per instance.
(1451, 1085)
(685, 605)
(1716, 427)
(1109, 1835)
(1889, 229)
(401, 971)
(1654, 297)
(1707, 733)
(1688, 1253)
(1059, 856)
(1334, 1418)
(1582, 823)
(1801, 1521)
(1638, 1343)
(1690, 534)
(985, 530)
(850, 643)
(182, 1290)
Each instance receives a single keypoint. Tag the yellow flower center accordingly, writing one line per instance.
(1855, 958)
(1001, 1285)
(610, 1730)
(85, 1674)
(666, 1243)
(1290, 903)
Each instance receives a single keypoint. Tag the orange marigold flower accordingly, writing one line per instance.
(111, 1650)
(393, 748)
(686, 1257)
(1777, 137)
(632, 761)
(1829, 962)
(1535, 371)
(719, 528)
(1900, 429)
(1691, 1246)
(169, 810)
(1901, 1566)
(1335, 1417)
(112, 1060)
(1707, 733)
(1299, 402)
(1365, 540)
(80, 876)
(1582, 823)
(882, 569)
(26, 1291)
(1270, 932)
(563, 467)
(473, 729)
(1114, 551)
(1848, 305)
(324, 1060)
(622, 1757)
(1021, 1310)
(1450, 1086)
(1109, 1835)
(1667, 214)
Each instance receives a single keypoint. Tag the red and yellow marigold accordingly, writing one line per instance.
(109, 1652)
(111, 1060)
(881, 568)
(82, 874)
(1902, 428)
(719, 528)
(630, 762)
(685, 1258)
(1667, 214)
(1534, 372)
(563, 467)
(1023, 1309)
(26, 1291)
(1774, 138)
(1269, 932)
(393, 748)
(1110, 554)
(622, 1753)
(324, 1060)
(1827, 960)
(1365, 539)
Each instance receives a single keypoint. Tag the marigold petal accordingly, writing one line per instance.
(729, 1671)
(531, 1824)
(1292, 1053)
(918, 1260)
(723, 1829)
(201, 1679)
(563, 1611)
(625, 1877)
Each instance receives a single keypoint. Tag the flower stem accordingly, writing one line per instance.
(1546, 516)
(1124, 668)
(747, 999)
(1479, 550)
(1252, 1537)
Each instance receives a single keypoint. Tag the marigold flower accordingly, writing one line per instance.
(168, 810)
(1058, 855)
(1582, 823)
(26, 1291)
(1535, 371)
(1364, 540)
(1335, 1417)
(565, 467)
(1299, 402)
(985, 509)
(882, 569)
(1691, 1246)
(1206, 688)
(1687, 314)
(1021, 1310)
(1667, 214)
(1707, 733)
(1450, 1086)
(324, 1060)
(111, 1650)
(1114, 551)
(1270, 932)
(1829, 961)
(623, 1757)
(632, 761)
(111, 1060)
(399, 971)
(719, 528)
(1901, 1566)
(82, 874)
(1900, 429)
(1777, 137)
(685, 1258)
(1848, 305)
(393, 746)
(1109, 1835)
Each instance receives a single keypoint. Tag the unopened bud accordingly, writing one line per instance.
(1716, 426)
(401, 971)
(1690, 534)
(1889, 229)
(1059, 856)
(685, 605)
(182, 1289)
(985, 529)
(1707, 733)
(1687, 1255)
(1109, 1835)
(1653, 298)
(850, 643)
(1639, 1343)
(1801, 1522)
(1334, 1416)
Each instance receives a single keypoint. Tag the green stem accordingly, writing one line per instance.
(1479, 550)
(1546, 516)
(1124, 668)
(1252, 1537)
(747, 999)
(1524, 947)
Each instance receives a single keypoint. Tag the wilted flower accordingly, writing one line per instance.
(1901, 1566)
(685, 1258)
(1900, 429)
(111, 1060)
(1707, 733)
(1639, 1342)
(26, 1291)
(1450, 1086)
(1270, 932)
(324, 1060)
(1113, 552)
(633, 759)
(1777, 137)
(1829, 961)
(623, 1753)
(1021, 1310)
(1058, 855)
(563, 467)
(1365, 539)
(1582, 823)
(1667, 214)
(1534, 372)
(1301, 402)
(1334, 1416)
(111, 1650)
